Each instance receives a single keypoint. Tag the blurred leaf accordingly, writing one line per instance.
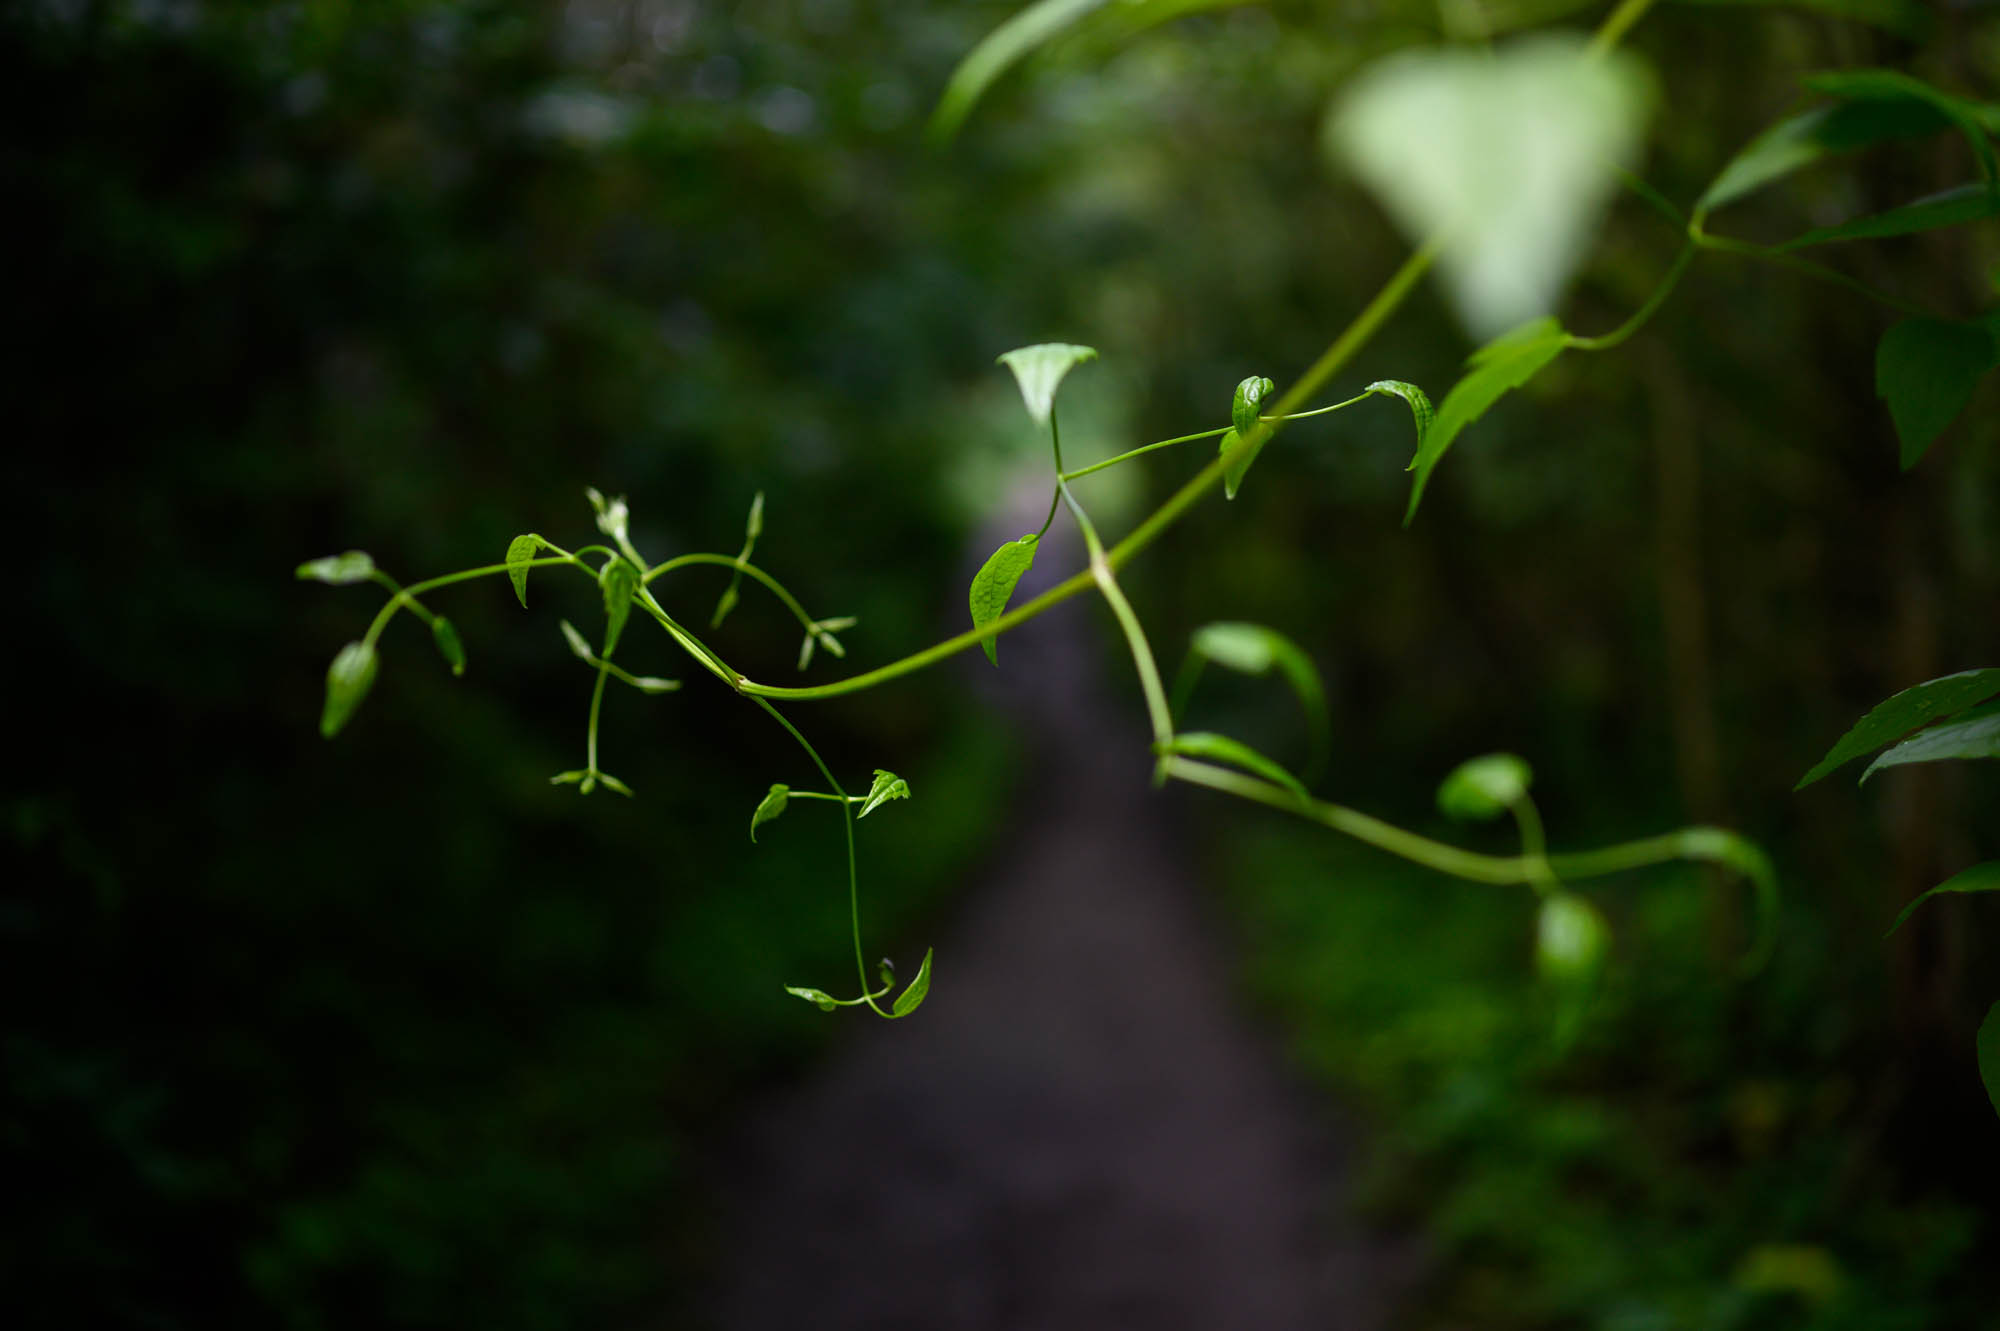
(615, 784)
(520, 550)
(1810, 136)
(1893, 85)
(652, 683)
(996, 53)
(1716, 845)
(753, 527)
(1989, 1055)
(723, 605)
(1926, 370)
(887, 786)
(1243, 406)
(448, 643)
(1973, 734)
(994, 585)
(1967, 203)
(620, 582)
(1804, 1269)
(1503, 364)
(1979, 878)
(1905, 18)
(1482, 788)
(1252, 649)
(1571, 938)
(1039, 370)
(339, 570)
(613, 518)
(769, 807)
(1421, 410)
(908, 1001)
(1897, 716)
(347, 682)
(1506, 158)
(1223, 749)
(577, 642)
(815, 996)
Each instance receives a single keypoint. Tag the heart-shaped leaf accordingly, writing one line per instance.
(993, 586)
(520, 551)
(1039, 371)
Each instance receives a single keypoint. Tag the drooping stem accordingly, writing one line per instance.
(1135, 633)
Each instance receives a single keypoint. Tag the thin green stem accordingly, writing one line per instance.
(1764, 253)
(1135, 633)
(847, 825)
(405, 596)
(1606, 341)
(1534, 845)
(1616, 25)
(741, 565)
(1141, 451)
(596, 706)
(822, 795)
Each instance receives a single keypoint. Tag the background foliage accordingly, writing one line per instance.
(390, 1031)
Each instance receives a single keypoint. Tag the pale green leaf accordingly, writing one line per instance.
(448, 644)
(1972, 734)
(907, 1001)
(814, 996)
(613, 517)
(620, 583)
(993, 586)
(1484, 787)
(1502, 365)
(1039, 371)
(1571, 938)
(520, 551)
(340, 570)
(1506, 158)
(1252, 649)
(1979, 878)
(615, 784)
(886, 786)
(1421, 410)
(753, 527)
(577, 642)
(1988, 1043)
(769, 807)
(996, 53)
(1222, 749)
(1897, 716)
(1926, 370)
(348, 680)
(1967, 203)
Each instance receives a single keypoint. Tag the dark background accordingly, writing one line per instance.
(389, 1031)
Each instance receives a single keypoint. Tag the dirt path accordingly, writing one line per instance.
(1078, 1130)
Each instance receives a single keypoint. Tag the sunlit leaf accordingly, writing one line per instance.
(1506, 157)
(348, 680)
(340, 570)
(1926, 370)
(993, 586)
(1039, 371)
(1972, 734)
(1967, 203)
(822, 1000)
(1989, 1055)
(769, 807)
(1571, 938)
(620, 582)
(996, 53)
(1502, 365)
(520, 551)
(1484, 787)
(1222, 749)
(1979, 878)
(907, 1001)
(886, 786)
(448, 644)
(1899, 715)
(1243, 405)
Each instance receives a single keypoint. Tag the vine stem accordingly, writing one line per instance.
(1615, 26)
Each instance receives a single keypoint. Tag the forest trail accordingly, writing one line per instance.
(1079, 1130)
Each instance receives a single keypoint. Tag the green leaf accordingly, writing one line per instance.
(1979, 878)
(1039, 371)
(653, 684)
(908, 1001)
(769, 807)
(1988, 1044)
(620, 582)
(1223, 749)
(340, 570)
(823, 1001)
(1243, 406)
(1482, 788)
(1973, 734)
(1497, 368)
(887, 786)
(1905, 18)
(723, 605)
(753, 526)
(1421, 409)
(1252, 649)
(448, 644)
(1571, 938)
(994, 585)
(1892, 85)
(569, 778)
(615, 784)
(1716, 845)
(613, 517)
(1506, 157)
(1899, 715)
(1967, 203)
(520, 551)
(996, 53)
(1810, 136)
(1926, 370)
(348, 680)
(577, 642)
